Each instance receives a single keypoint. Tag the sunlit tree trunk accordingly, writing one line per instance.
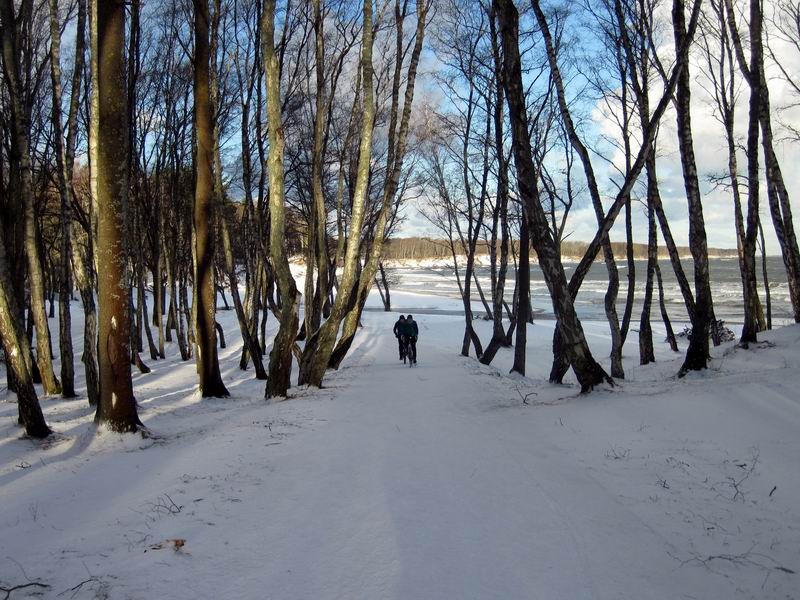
(396, 153)
(319, 348)
(15, 346)
(117, 406)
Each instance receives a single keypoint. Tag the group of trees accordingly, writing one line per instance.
(128, 165)
(516, 150)
(123, 173)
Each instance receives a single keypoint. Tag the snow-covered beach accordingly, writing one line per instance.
(449, 480)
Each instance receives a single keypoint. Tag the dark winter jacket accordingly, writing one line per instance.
(409, 328)
(398, 326)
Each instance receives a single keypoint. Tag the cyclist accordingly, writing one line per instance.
(398, 333)
(411, 332)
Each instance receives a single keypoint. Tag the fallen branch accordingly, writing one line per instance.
(22, 586)
(75, 588)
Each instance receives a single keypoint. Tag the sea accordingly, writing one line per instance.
(726, 287)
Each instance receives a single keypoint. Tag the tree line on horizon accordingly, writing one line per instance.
(416, 248)
(127, 129)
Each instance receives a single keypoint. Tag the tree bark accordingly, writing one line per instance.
(15, 347)
(523, 297)
(673, 342)
(319, 348)
(320, 219)
(20, 131)
(588, 372)
(646, 351)
(117, 406)
(249, 342)
(211, 384)
(697, 354)
(498, 333)
(397, 139)
(280, 359)
(65, 153)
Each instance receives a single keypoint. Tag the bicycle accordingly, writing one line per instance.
(409, 352)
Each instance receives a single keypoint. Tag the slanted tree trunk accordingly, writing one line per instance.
(233, 280)
(211, 384)
(397, 140)
(117, 406)
(588, 372)
(20, 132)
(280, 359)
(319, 348)
(583, 154)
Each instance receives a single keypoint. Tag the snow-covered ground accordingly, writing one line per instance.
(448, 480)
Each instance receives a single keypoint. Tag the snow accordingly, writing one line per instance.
(430, 482)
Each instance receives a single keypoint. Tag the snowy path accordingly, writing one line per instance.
(421, 493)
(423, 483)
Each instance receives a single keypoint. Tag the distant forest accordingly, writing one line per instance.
(419, 248)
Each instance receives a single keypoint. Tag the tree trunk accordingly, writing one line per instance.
(583, 153)
(211, 384)
(646, 351)
(765, 276)
(673, 342)
(523, 297)
(117, 406)
(588, 372)
(387, 301)
(20, 131)
(84, 279)
(249, 342)
(15, 346)
(777, 194)
(498, 333)
(319, 348)
(698, 353)
(65, 154)
(280, 359)
(320, 219)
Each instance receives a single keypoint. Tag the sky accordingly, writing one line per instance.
(711, 157)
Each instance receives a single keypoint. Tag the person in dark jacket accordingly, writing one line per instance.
(411, 331)
(398, 333)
